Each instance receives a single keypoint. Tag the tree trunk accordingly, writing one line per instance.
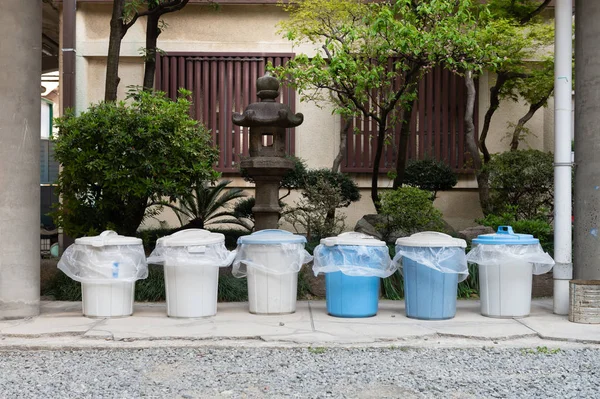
(514, 144)
(152, 33)
(482, 175)
(114, 50)
(494, 104)
(401, 157)
(377, 161)
(343, 142)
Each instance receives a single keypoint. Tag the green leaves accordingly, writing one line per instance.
(409, 210)
(117, 158)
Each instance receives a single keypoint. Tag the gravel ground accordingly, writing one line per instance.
(394, 372)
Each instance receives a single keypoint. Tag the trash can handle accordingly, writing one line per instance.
(186, 231)
(508, 230)
(108, 233)
(105, 234)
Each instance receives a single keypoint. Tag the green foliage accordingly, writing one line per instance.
(314, 213)
(62, 288)
(348, 190)
(207, 204)
(522, 182)
(232, 289)
(470, 287)
(430, 175)
(119, 158)
(149, 236)
(319, 350)
(409, 209)
(371, 55)
(540, 350)
(152, 288)
(539, 227)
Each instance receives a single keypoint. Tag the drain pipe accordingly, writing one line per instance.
(563, 270)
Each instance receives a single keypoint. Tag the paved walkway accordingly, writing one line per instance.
(62, 325)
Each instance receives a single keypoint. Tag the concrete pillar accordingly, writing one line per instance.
(587, 141)
(20, 69)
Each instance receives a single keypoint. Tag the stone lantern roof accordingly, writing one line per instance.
(268, 112)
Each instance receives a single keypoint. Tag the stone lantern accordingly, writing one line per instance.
(267, 163)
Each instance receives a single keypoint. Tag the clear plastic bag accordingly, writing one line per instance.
(89, 264)
(505, 254)
(443, 259)
(198, 255)
(353, 260)
(276, 259)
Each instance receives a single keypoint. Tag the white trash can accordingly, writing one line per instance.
(107, 266)
(271, 260)
(506, 263)
(191, 260)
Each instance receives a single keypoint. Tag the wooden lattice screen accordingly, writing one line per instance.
(436, 129)
(222, 82)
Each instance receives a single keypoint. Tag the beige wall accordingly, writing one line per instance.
(253, 29)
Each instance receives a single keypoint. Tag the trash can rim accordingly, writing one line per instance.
(431, 239)
(108, 238)
(272, 237)
(505, 236)
(353, 238)
(190, 237)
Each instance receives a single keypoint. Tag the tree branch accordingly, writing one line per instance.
(534, 13)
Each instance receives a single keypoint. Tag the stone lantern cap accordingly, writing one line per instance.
(268, 112)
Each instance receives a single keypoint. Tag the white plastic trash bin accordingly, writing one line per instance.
(107, 266)
(191, 260)
(506, 263)
(271, 260)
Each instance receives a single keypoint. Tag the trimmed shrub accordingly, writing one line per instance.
(409, 210)
(429, 175)
(522, 183)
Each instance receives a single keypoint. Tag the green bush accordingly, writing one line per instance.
(409, 209)
(347, 188)
(119, 158)
(522, 182)
(429, 175)
(314, 214)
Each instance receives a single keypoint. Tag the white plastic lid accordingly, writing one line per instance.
(190, 237)
(353, 238)
(432, 239)
(108, 237)
(272, 236)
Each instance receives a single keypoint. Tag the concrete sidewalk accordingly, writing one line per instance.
(61, 325)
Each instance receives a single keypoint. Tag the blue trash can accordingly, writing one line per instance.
(432, 265)
(353, 264)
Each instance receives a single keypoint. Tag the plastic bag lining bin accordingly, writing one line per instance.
(506, 246)
(285, 253)
(192, 247)
(435, 250)
(105, 258)
(353, 254)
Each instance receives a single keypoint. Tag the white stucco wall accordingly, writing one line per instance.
(253, 28)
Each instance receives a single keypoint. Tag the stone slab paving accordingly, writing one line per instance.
(63, 322)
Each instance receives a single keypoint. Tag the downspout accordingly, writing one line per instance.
(68, 54)
(68, 81)
(563, 270)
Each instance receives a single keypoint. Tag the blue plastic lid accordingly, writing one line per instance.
(506, 236)
(272, 236)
